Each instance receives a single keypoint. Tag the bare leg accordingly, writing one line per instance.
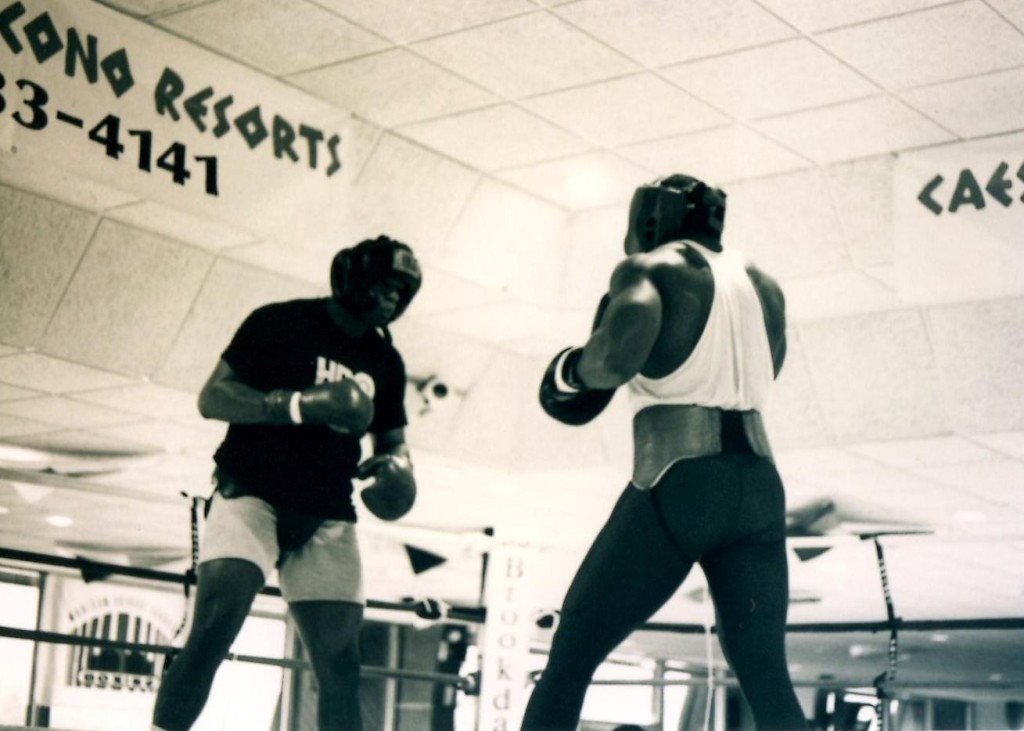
(225, 591)
(330, 632)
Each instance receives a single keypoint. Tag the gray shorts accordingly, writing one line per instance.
(326, 568)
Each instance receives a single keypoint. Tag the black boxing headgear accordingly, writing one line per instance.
(675, 207)
(355, 270)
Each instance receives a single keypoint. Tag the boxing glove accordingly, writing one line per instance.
(564, 397)
(342, 405)
(393, 491)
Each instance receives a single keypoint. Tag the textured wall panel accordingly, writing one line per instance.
(230, 292)
(786, 224)
(979, 349)
(862, 196)
(508, 240)
(876, 376)
(794, 417)
(409, 193)
(127, 300)
(40, 245)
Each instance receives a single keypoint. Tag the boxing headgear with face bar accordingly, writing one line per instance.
(673, 208)
(355, 270)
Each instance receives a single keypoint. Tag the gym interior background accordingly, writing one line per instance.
(167, 165)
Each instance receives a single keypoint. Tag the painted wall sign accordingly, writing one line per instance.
(959, 221)
(95, 93)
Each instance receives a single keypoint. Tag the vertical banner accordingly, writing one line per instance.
(95, 686)
(504, 682)
(959, 221)
(104, 97)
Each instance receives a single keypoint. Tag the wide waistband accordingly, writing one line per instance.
(665, 434)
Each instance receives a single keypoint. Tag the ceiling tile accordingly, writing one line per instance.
(12, 393)
(983, 105)
(66, 412)
(593, 245)
(998, 481)
(41, 243)
(1012, 10)
(771, 80)
(922, 453)
(793, 416)
(160, 219)
(979, 349)
(151, 7)
(410, 193)
(807, 463)
(498, 137)
(403, 21)
(629, 109)
(497, 323)
(231, 291)
(891, 51)
(527, 55)
(587, 181)
(1010, 444)
(392, 88)
(660, 32)
(285, 259)
(431, 350)
(876, 376)
(861, 192)
(278, 36)
(48, 182)
(149, 284)
(814, 15)
(444, 291)
(146, 399)
(834, 295)
(718, 156)
(53, 375)
(161, 435)
(519, 255)
(15, 426)
(853, 130)
(760, 221)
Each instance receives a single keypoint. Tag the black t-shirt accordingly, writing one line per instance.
(293, 345)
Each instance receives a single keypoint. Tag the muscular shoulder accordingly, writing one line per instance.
(767, 288)
(682, 263)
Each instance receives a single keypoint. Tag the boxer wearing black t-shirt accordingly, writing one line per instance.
(300, 384)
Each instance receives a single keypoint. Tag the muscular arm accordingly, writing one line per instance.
(773, 306)
(621, 343)
(226, 397)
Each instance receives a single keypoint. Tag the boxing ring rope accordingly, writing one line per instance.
(94, 570)
(61, 638)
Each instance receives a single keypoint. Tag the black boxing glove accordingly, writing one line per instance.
(393, 492)
(565, 397)
(342, 405)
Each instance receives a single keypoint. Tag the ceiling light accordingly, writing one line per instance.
(59, 521)
(589, 184)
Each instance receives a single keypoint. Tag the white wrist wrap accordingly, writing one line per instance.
(560, 383)
(294, 412)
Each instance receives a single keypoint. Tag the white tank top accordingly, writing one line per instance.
(731, 366)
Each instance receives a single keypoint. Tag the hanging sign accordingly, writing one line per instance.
(92, 92)
(959, 221)
(504, 666)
